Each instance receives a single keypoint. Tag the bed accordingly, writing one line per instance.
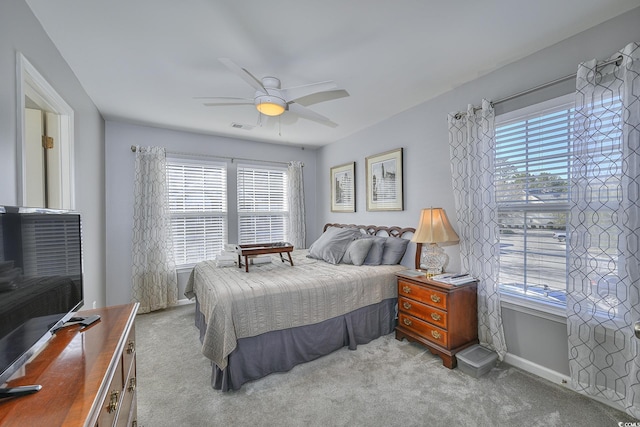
(339, 292)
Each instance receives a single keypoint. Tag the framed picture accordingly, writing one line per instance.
(384, 181)
(343, 188)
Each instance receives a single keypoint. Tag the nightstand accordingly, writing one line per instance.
(440, 316)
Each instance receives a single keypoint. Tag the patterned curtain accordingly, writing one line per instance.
(472, 147)
(297, 223)
(603, 300)
(155, 284)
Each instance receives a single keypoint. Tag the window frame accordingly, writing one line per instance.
(244, 213)
(553, 310)
(222, 214)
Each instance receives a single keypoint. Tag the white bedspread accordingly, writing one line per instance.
(276, 296)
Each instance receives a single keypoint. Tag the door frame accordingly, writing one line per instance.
(29, 82)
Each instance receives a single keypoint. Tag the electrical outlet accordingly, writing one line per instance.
(94, 304)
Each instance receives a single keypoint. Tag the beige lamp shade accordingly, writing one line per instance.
(434, 227)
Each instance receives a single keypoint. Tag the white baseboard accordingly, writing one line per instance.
(550, 375)
(539, 370)
(185, 301)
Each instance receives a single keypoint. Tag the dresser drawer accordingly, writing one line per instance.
(128, 399)
(121, 398)
(423, 294)
(424, 329)
(113, 400)
(129, 353)
(423, 311)
(129, 381)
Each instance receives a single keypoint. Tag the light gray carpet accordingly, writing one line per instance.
(383, 383)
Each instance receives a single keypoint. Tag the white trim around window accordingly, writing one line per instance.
(533, 155)
(197, 192)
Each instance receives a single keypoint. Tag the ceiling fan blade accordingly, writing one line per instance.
(223, 97)
(294, 93)
(216, 104)
(311, 115)
(225, 100)
(243, 74)
(316, 98)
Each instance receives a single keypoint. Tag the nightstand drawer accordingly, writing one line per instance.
(423, 311)
(427, 330)
(423, 294)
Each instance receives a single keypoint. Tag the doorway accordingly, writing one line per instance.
(45, 142)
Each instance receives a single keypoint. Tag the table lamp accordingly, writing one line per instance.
(434, 227)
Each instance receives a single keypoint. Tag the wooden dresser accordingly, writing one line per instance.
(440, 316)
(88, 377)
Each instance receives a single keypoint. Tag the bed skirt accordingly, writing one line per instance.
(279, 351)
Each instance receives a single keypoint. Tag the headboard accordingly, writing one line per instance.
(375, 230)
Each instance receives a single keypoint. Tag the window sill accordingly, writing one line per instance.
(535, 308)
(184, 268)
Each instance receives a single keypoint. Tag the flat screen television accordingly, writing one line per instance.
(40, 280)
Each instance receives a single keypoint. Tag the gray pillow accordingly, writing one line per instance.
(374, 257)
(357, 251)
(332, 244)
(394, 249)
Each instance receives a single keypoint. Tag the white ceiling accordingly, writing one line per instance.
(144, 61)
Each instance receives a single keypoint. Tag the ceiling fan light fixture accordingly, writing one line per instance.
(270, 105)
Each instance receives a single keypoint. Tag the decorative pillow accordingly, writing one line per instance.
(374, 257)
(332, 244)
(357, 251)
(394, 249)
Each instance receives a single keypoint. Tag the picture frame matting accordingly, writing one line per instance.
(343, 188)
(384, 181)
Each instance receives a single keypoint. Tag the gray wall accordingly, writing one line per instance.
(119, 161)
(422, 132)
(21, 32)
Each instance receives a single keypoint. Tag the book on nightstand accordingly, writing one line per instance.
(454, 279)
(414, 273)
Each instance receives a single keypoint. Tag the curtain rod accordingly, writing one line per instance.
(181, 153)
(616, 61)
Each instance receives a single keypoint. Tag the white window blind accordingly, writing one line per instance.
(534, 160)
(532, 176)
(263, 209)
(197, 193)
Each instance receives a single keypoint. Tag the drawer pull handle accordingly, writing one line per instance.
(407, 321)
(436, 335)
(406, 289)
(406, 305)
(113, 401)
(435, 298)
(131, 347)
(132, 384)
(436, 316)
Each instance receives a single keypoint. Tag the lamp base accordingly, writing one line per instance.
(433, 259)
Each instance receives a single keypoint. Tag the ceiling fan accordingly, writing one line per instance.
(272, 100)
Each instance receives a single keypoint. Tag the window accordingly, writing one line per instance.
(533, 161)
(197, 193)
(263, 209)
(534, 156)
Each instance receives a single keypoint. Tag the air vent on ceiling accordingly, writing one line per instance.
(241, 126)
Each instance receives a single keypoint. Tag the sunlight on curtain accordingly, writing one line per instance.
(603, 290)
(472, 147)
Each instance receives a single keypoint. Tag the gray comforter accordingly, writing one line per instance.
(276, 296)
